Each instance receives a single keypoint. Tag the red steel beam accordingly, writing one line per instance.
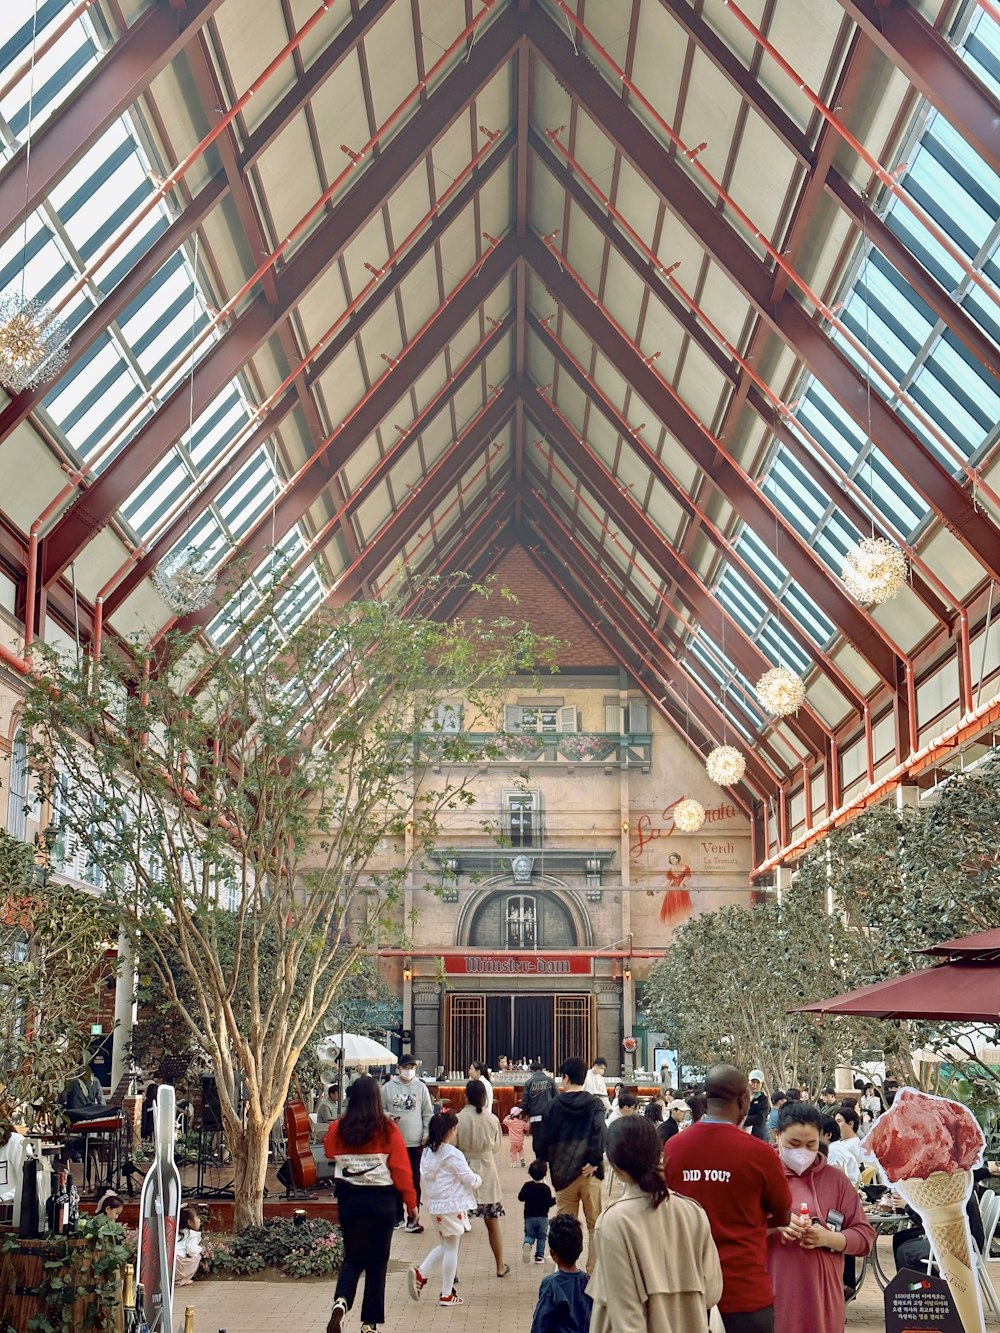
(757, 401)
(566, 525)
(670, 706)
(747, 500)
(415, 510)
(934, 68)
(720, 240)
(837, 186)
(96, 506)
(741, 650)
(140, 54)
(695, 514)
(120, 297)
(198, 208)
(297, 499)
(385, 291)
(603, 597)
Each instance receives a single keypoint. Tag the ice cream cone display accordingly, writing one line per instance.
(926, 1148)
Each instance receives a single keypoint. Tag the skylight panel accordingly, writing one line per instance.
(57, 72)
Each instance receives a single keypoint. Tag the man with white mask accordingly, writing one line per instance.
(740, 1183)
(406, 1100)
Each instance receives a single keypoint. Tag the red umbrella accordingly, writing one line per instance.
(964, 992)
(984, 947)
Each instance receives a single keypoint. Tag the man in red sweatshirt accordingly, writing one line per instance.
(739, 1182)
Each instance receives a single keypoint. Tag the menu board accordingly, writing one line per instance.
(916, 1303)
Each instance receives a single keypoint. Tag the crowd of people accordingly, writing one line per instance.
(726, 1209)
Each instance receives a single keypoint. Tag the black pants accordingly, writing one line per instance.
(757, 1321)
(414, 1156)
(367, 1217)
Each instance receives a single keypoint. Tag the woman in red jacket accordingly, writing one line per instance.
(371, 1171)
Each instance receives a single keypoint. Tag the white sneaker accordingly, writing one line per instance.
(526, 1252)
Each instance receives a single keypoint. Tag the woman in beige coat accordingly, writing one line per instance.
(657, 1267)
(479, 1137)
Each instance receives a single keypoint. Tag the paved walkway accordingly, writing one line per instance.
(251, 1305)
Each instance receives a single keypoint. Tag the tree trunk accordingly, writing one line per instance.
(249, 1145)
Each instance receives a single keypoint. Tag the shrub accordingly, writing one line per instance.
(311, 1249)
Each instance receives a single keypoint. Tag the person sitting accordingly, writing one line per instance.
(327, 1111)
(188, 1251)
(83, 1097)
(110, 1206)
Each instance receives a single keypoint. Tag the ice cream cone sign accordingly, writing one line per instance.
(926, 1148)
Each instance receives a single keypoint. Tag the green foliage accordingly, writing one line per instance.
(275, 780)
(84, 1268)
(898, 880)
(52, 945)
(311, 1249)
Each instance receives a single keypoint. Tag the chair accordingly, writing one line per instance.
(989, 1207)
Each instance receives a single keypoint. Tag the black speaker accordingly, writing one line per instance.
(211, 1113)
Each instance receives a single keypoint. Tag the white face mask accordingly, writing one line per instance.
(407, 1075)
(798, 1160)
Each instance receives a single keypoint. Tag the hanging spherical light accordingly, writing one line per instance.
(32, 343)
(874, 570)
(780, 692)
(725, 765)
(184, 582)
(688, 815)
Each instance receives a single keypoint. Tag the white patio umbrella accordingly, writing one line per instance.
(353, 1049)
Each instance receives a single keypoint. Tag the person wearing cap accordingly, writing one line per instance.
(407, 1102)
(828, 1099)
(676, 1114)
(760, 1105)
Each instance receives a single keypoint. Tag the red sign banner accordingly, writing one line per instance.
(519, 965)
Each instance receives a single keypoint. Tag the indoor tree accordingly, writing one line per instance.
(273, 777)
(53, 946)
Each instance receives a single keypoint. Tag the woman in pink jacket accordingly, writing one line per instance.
(516, 1125)
(805, 1259)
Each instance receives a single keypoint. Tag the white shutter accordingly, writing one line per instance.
(613, 718)
(567, 718)
(511, 717)
(638, 715)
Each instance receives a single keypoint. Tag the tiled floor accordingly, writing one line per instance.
(255, 1306)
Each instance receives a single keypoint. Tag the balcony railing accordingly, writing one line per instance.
(515, 747)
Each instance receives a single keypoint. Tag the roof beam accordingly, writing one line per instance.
(759, 404)
(726, 548)
(308, 84)
(720, 240)
(748, 501)
(419, 505)
(137, 57)
(600, 596)
(415, 359)
(934, 68)
(384, 291)
(837, 186)
(741, 650)
(120, 297)
(559, 511)
(670, 707)
(95, 507)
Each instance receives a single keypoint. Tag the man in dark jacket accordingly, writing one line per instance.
(536, 1095)
(570, 1138)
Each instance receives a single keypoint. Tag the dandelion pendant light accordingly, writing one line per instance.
(780, 692)
(33, 340)
(183, 578)
(874, 568)
(688, 815)
(725, 765)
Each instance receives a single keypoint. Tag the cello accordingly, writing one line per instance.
(298, 1135)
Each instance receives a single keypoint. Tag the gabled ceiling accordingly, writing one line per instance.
(563, 276)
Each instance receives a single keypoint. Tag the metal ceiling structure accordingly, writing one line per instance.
(683, 296)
